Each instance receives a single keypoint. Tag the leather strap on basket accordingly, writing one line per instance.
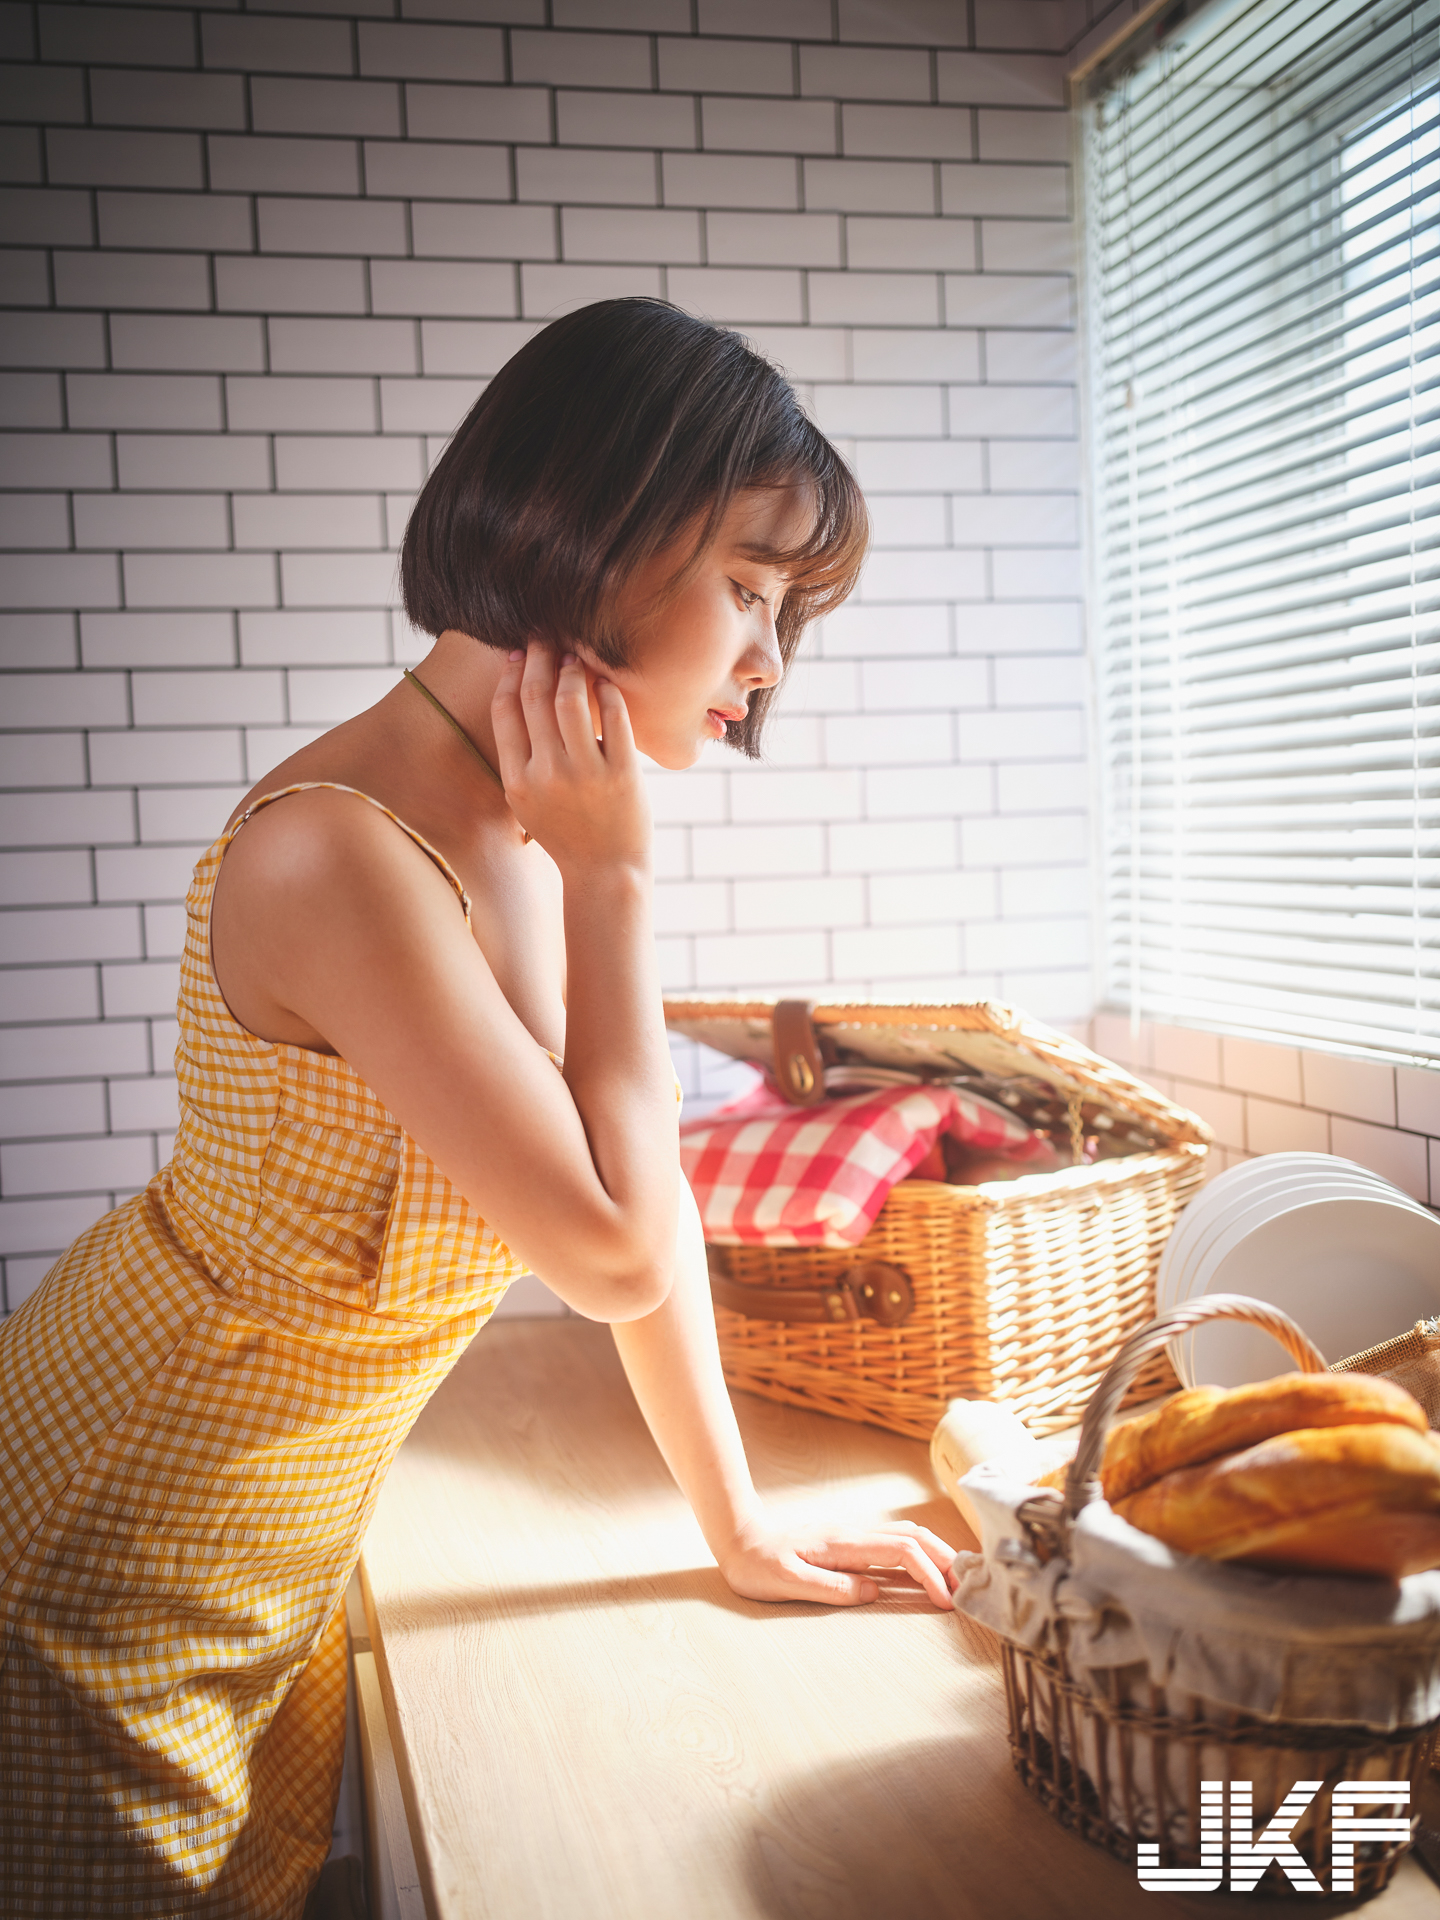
(799, 1068)
(872, 1290)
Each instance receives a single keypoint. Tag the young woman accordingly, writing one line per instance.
(421, 1050)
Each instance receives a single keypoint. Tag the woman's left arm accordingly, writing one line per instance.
(673, 1362)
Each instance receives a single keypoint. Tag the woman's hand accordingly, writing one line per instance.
(672, 1360)
(834, 1566)
(583, 799)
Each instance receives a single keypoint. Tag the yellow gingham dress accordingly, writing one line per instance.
(200, 1404)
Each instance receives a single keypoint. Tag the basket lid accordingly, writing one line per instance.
(990, 1045)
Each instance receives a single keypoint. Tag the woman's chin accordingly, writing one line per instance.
(673, 755)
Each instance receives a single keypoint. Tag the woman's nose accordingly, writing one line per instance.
(762, 665)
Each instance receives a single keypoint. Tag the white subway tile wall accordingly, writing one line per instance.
(261, 260)
(1261, 1097)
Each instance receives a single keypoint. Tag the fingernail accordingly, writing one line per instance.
(567, 659)
(517, 653)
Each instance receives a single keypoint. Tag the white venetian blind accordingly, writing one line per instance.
(1262, 188)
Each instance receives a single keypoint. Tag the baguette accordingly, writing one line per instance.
(1209, 1421)
(1344, 1499)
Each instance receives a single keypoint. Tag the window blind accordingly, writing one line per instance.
(1261, 191)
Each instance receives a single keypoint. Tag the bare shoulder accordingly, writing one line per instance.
(323, 842)
(323, 900)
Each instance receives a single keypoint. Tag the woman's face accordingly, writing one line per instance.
(697, 656)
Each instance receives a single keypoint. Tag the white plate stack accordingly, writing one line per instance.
(1347, 1255)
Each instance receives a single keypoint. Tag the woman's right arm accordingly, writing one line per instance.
(361, 939)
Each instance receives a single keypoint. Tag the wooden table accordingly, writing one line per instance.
(588, 1725)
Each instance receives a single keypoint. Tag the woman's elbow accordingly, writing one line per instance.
(625, 1286)
(614, 1271)
(632, 1293)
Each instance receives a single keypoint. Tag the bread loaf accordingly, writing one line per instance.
(974, 1430)
(1341, 1499)
(1209, 1421)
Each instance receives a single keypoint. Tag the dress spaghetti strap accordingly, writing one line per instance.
(336, 786)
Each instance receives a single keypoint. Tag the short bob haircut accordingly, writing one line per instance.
(615, 433)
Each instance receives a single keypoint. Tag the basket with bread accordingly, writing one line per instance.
(1235, 1586)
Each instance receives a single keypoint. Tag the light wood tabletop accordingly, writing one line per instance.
(586, 1722)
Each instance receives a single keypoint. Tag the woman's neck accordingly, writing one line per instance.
(462, 674)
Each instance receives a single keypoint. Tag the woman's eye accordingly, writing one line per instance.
(747, 598)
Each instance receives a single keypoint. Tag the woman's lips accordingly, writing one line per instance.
(718, 716)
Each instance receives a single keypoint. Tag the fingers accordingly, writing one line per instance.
(584, 800)
(555, 696)
(829, 1586)
(537, 697)
(783, 1575)
(507, 716)
(572, 709)
(883, 1548)
(616, 737)
(939, 1551)
(841, 1567)
(919, 1569)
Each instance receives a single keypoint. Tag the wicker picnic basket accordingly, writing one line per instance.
(1138, 1680)
(1014, 1290)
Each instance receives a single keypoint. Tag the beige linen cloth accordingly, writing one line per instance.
(1129, 1615)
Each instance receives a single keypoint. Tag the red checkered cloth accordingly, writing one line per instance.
(766, 1174)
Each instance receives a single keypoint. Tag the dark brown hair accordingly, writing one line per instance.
(610, 436)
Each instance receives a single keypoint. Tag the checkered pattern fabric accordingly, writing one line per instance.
(766, 1174)
(201, 1403)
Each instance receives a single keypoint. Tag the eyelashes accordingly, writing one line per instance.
(748, 598)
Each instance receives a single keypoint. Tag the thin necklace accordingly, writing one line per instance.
(446, 715)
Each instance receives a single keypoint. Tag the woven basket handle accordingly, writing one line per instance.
(1082, 1483)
